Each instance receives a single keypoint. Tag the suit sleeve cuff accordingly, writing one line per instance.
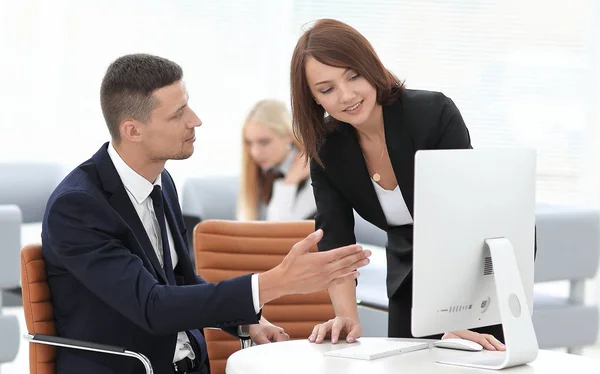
(255, 294)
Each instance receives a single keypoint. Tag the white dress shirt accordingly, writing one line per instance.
(139, 189)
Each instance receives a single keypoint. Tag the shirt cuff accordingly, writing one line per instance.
(255, 294)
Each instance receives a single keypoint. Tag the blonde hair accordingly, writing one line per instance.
(274, 115)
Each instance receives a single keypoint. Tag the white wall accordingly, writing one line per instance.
(520, 75)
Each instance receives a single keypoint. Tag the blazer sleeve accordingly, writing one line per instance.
(82, 235)
(334, 212)
(453, 133)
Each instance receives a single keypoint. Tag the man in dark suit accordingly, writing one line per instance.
(115, 247)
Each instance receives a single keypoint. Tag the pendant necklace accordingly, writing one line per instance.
(376, 177)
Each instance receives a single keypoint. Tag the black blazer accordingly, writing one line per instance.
(107, 284)
(417, 120)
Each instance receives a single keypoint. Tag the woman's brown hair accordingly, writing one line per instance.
(337, 44)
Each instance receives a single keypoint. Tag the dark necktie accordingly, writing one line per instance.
(159, 210)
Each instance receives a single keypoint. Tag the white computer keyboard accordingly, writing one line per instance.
(373, 350)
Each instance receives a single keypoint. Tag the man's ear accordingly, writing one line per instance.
(131, 130)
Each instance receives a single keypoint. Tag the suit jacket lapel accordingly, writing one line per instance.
(354, 165)
(122, 204)
(185, 264)
(401, 150)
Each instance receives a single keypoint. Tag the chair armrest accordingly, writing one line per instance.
(244, 335)
(88, 346)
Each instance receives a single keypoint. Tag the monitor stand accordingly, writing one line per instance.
(519, 335)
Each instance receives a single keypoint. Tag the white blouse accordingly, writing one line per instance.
(393, 205)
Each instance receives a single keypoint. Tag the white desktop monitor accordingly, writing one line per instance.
(474, 225)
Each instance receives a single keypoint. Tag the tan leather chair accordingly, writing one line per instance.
(39, 318)
(226, 249)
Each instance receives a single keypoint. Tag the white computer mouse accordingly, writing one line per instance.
(460, 344)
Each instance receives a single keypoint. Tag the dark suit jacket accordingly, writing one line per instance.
(417, 120)
(107, 285)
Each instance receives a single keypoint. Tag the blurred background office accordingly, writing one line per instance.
(522, 72)
(274, 177)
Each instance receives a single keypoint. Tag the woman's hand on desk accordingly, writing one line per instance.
(336, 328)
(487, 341)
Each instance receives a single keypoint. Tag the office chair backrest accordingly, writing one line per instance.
(210, 197)
(29, 185)
(37, 307)
(226, 249)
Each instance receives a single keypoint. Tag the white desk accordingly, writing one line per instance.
(300, 356)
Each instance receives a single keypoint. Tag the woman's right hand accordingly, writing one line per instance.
(298, 171)
(339, 327)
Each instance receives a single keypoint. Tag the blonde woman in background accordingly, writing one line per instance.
(275, 180)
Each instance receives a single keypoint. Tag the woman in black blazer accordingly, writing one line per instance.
(361, 129)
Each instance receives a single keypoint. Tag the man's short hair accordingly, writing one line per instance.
(127, 88)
